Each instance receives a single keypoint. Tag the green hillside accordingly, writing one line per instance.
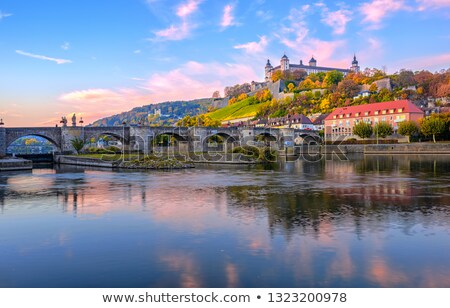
(243, 109)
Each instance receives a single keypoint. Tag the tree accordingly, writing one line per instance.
(432, 126)
(30, 141)
(363, 130)
(406, 78)
(383, 129)
(77, 144)
(277, 75)
(373, 88)
(333, 77)
(348, 88)
(299, 75)
(291, 87)
(216, 94)
(242, 96)
(408, 129)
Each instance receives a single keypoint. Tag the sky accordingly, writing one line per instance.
(97, 58)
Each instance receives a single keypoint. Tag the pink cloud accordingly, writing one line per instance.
(254, 47)
(374, 12)
(337, 20)
(430, 62)
(228, 18)
(432, 4)
(192, 80)
(182, 30)
(188, 8)
(175, 32)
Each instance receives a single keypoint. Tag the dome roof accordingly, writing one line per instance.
(268, 63)
(354, 60)
(284, 57)
(312, 60)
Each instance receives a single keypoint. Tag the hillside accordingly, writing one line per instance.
(242, 109)
(162, 114)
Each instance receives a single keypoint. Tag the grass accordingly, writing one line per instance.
(238, 110)
(111, 157)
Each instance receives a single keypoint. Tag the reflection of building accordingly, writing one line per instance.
(341, 121)
(312, 67)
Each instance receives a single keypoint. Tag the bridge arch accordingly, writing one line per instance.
(218, 142)
(53, 135)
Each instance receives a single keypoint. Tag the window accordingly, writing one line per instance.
(383, 112)
(341, 116)
(357, 114)
(391, 111)
(376, 112)
(334, 117)
(347, 123)
(366, 113)
(400, 110)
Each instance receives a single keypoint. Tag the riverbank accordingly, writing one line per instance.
(12, 164)
(404, 148)
(122, 162)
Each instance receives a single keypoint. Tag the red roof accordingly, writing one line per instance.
(350, 112)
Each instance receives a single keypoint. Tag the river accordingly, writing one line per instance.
(373, 221)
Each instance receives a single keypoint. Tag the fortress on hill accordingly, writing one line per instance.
(310, 68)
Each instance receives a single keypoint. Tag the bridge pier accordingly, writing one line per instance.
(2, 141)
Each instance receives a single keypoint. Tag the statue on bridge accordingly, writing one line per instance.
(74, 120)
(63, 121)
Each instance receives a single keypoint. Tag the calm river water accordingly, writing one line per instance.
(378, 221)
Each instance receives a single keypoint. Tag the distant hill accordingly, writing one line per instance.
(162, 114)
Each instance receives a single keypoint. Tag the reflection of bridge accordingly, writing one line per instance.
(189, 139)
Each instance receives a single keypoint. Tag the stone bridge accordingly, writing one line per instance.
(143, 138)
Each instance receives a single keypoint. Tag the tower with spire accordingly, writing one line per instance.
(284, 63)
(355, 67)
(268, 70)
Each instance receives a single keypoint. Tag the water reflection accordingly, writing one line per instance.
(370, 221)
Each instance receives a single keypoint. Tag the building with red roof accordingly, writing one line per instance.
(341, 121)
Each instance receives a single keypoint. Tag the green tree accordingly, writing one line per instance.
(363, 130)
(432, 126)
(333, 77)
(77, 144)
(383, 129)
(408, 129)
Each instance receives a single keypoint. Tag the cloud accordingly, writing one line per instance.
(430, 62)
(188, 8)
(432, 4)
(181, 30)
(294, 34)
(228, 18)
(190, 81)
(65, 46)
(174, 32)
(40, 57)
(374, 12)
(4, 15)
(337, 20)
(254, 47)
(137, 51)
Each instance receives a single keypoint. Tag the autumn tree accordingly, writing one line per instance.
(432, 126)
(277, 75)
(383, 129)
(242, 96)
(363, 130)
(408, 129)
(373, 88)
(291, 87)
(299, 75)
(348, 88)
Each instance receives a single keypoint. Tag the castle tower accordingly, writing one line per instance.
(355, 67)
(268, 70)
(312, 62)
(284, 63)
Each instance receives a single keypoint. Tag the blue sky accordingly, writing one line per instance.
(97, 58)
